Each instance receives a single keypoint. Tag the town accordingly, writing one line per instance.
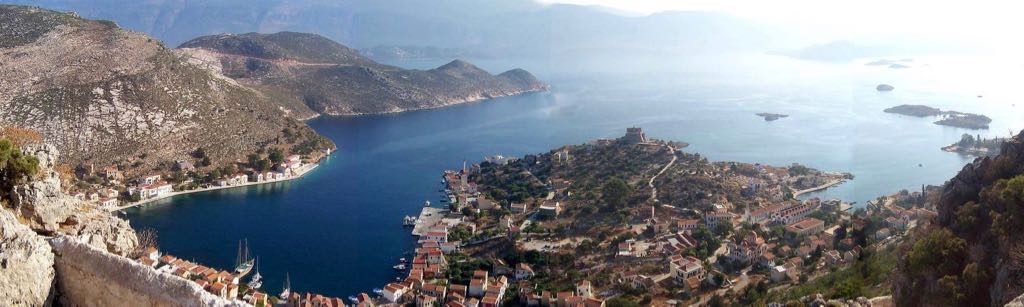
(544, 231)
(523, 228)
(109, 188)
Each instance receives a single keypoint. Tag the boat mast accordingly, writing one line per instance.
(245, 256)
(238, 256)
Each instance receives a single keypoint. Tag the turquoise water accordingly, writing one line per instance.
(338, 230)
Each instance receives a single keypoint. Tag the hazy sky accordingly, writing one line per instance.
(984, 22)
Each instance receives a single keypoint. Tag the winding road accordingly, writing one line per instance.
(654, 191)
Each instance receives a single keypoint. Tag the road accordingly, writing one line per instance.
(654, 191)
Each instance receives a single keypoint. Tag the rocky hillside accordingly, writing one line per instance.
(333, 79)
(972, 253)
(104, 95)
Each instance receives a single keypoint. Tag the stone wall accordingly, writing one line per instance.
(87, 276)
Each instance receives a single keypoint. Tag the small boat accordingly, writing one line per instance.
(399, 267)
(355, 300)
(287, 287)
(402, 260)
(378, 291)
(257, 280)
(426, 204)
(409, 221)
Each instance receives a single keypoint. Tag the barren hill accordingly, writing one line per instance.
(105, 95)
(333, 79)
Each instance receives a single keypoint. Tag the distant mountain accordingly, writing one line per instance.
(499, 28)
(105, 96)
(333, 79)
(844, 51)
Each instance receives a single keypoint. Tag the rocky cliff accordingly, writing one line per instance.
(105, 95)
(47, 210)
(311, 70)
(26, 265)
(38, 209)
(972, 252)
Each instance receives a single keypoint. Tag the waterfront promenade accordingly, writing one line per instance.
(301, 171)
(819, 188)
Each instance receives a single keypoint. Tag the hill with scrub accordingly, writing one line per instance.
(107, 96)
(309, 70)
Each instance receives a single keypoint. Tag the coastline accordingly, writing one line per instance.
(819, 188)
(461, 102)
(305, 169)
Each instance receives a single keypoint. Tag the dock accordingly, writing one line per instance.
(429, 216)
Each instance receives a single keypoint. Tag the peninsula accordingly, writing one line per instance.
(314, 75)
(976, 146)
(949, 118)
(633, 216)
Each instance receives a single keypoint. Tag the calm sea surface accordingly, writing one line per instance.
(338, 230)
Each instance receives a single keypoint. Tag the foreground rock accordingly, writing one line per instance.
(87, 276)
(47, 210)
(974, 241)
(26, 265)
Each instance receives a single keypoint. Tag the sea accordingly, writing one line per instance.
(338, 231)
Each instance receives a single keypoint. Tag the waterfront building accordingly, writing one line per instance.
(807, 226)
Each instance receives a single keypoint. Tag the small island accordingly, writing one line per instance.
(914, 110)
(884, 88)
(971, 145)
(771, 116)
(949, 118)
(890, 63)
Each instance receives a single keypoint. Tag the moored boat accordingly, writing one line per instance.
(287, 287)
(243, 263)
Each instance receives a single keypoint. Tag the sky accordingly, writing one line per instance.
(997, 23)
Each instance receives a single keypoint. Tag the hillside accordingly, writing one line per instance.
(333, 79)
(972, 252)
(104, 95)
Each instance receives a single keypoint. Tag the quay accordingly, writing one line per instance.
(428, 217)
(819, 188)
(301, 171)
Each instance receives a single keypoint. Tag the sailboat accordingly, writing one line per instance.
(243, 264)
(287, 287)
(257, 281)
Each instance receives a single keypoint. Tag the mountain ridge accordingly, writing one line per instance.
(346, 83)
(107, 96)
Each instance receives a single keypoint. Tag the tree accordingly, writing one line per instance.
(276, 155)
(621, 302)
(147, 238)
(263, 165)
(199, 153)
(614, 192)
(14, 166)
